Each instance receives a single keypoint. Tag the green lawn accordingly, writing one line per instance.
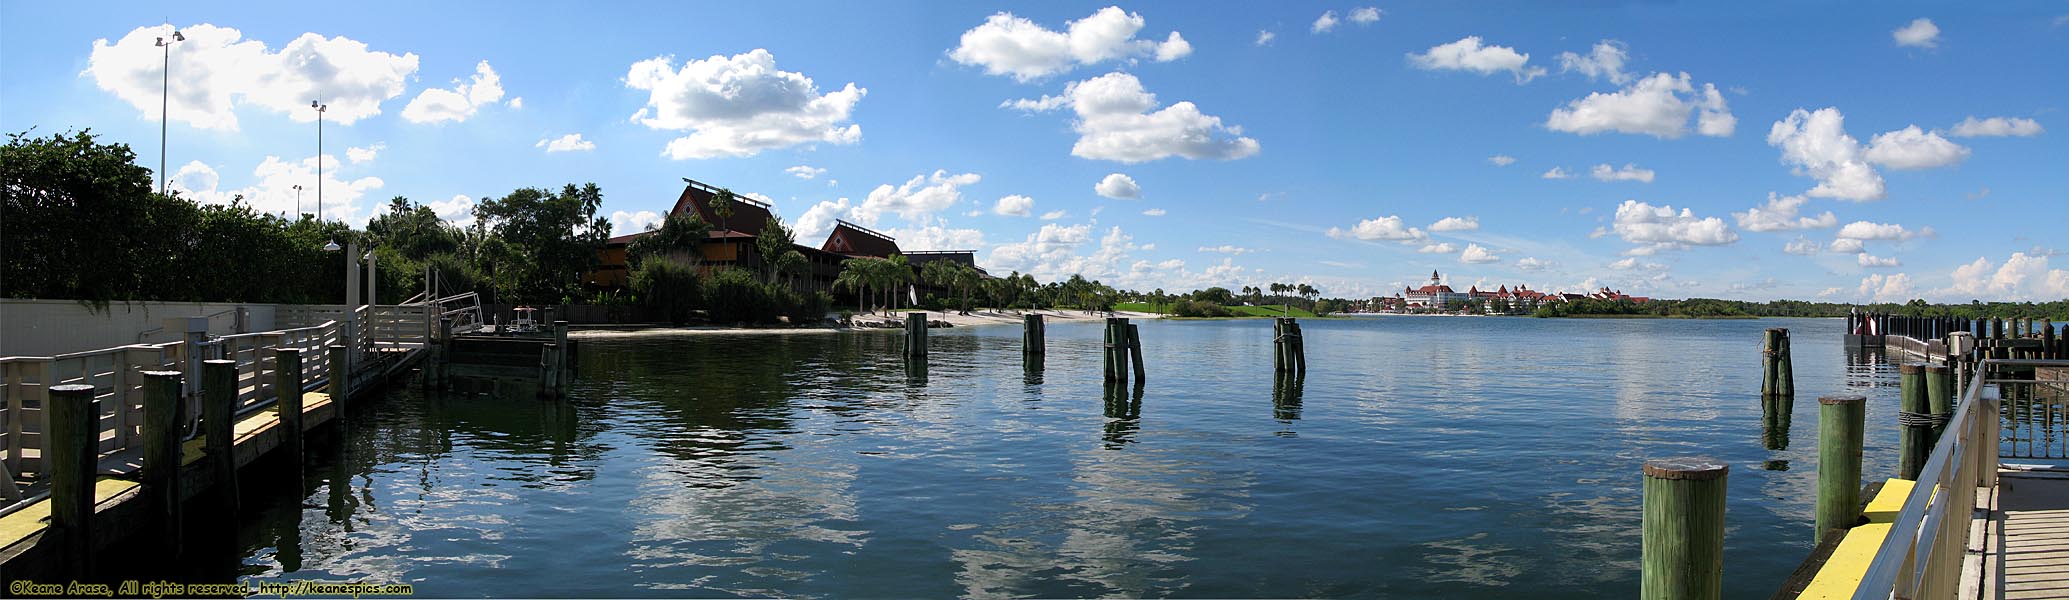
(1240, 311)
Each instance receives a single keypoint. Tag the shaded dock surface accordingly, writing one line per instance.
(2026, 549)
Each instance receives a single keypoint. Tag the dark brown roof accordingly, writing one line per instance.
(749, 215)
(856, 240)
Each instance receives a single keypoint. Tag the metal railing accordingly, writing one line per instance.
(2035, 397)
(1922, 556)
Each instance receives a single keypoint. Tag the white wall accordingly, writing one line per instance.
(52, 327)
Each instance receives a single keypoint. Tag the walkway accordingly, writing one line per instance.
(2026, 553)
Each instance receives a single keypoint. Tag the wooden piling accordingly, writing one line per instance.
(1939, 399)
(1135, 352)
(1299, 350)
(287, 381)
(1841, 422)
(1785, 369)
(1681, 550)
(549, 386)
(1031, 335)
(1114, 371)
(564, 360)
(916, 335)
(73, 425)
(1775, 414)
(219, 426)
(339, 379)
(1914, 440)
(162, 454)
(1279, 344)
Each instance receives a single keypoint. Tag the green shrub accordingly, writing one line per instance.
(669, 285)
(1196, 308)
(734, 296)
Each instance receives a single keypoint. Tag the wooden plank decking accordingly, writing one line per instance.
(2026, 555)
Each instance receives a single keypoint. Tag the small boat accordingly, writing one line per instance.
(522, 323)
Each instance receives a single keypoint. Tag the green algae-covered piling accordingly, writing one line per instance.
(162, 454)
(1914, 420)
(1116, 356)
(219, 428)
(1289, 351)
(1777, 374)
(1939, 400)
(74, 428)
(1775, 414)
(1841, 421)
(1681, 550)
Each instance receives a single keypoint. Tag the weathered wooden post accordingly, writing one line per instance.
(548, 386)
(1939, 400)
(1841, 421)
(287, 382)
(1681, 550)
(2047, 339)
(340, 378)
(1116, 356)
(1135, 352)
(219, 428)
(73, 425)
(162, 454)
(1299, 350)
(1279, 345)
(1031, 336)
(445, 351)
(1914, 418)
(1777, 374)
(1785, 369)
(916, 335)
(563, 361)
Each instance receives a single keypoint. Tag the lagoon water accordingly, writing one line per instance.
(1455, 457)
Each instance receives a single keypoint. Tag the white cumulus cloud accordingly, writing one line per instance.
(623, 222)
(1920, 33)
(1887, 288)
(1006, 44)
(1816, 143)
(1118, 120)
(217, 71)
(1155, 212)
(2022, 277)
(1557, 173)
(1877, 262)
(1365, 15)
(1659, 106)
(915, 199)
(1119, 187)
(1782, 213)
(1390, 228)
(1467, 223)
(1604, 61)
(1629, 172)
(1467, 54)
(805, 171)
(1532, 263)
(1014, 206)
(1476, 255)
(1913, 148)
(1227, 249)
(1663, 228)
(1996, 127)
(1325, 23)
(572, 142)
(438, 105)
(362, 154)
(740, 105)
(1437, 248)
(1501, 160)
(1265, 37)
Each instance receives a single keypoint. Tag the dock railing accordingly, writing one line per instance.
(2012, 409)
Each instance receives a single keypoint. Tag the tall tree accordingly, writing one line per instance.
(722, 206)
(551, 238)
(680, 236)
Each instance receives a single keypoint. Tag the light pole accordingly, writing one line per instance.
(165, 102)
(331, 245)
(298, 201)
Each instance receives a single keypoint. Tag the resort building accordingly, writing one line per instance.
(730, 244)
(1434, 295)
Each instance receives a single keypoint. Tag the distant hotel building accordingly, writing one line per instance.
(1434, 295)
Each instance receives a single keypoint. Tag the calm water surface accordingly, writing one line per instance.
(1424, 456)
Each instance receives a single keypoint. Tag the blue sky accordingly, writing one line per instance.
(1354, 146)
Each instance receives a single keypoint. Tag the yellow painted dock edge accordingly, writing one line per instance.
(33, 519)
(1842, 573)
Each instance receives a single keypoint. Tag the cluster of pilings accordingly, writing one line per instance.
(74, 467)
(1123, 348)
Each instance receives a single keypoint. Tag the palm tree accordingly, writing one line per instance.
(722, 206)
(1308, 292)
(966, 279)
(855, 275)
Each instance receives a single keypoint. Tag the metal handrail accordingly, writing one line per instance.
(1922, 555)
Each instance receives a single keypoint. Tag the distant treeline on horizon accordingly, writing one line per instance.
(2057, 310)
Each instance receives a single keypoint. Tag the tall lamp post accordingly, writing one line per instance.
(331, 245)
(165, 102)
(298, 201)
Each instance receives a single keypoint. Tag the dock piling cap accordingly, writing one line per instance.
(1909, 368)
(1843, 399)
(72, 387)
(1691, 468)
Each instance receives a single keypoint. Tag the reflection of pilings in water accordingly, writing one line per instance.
(1775, 413)
(916, 370)
(1286, 395)
(1123, 414)
(1863, 367)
